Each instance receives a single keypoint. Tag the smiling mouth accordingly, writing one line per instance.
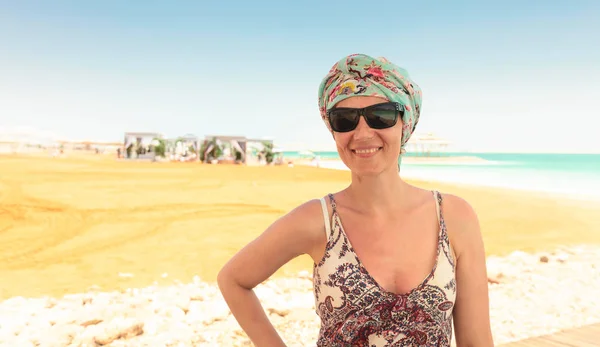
(366, 151)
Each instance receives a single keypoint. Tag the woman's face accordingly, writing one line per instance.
(368, 151)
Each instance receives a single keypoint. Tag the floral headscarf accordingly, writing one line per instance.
(362, 75)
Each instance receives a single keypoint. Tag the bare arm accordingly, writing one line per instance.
(471, 311)
(299, 232)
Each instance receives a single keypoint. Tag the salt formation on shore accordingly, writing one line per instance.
(530, 295)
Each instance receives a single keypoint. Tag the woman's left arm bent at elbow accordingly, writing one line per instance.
(472, 326)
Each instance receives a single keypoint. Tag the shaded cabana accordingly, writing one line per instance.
(137, 144)
(233, 146)
(186, 146)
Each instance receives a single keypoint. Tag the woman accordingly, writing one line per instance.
(395, 265)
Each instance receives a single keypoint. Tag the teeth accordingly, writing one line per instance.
(365, 151)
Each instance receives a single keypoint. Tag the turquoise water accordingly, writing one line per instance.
(577, 175)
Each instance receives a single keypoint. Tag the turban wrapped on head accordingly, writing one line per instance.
(362, 75)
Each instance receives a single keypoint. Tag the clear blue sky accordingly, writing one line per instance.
(507, 75)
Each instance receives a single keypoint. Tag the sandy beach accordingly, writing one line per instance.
(93, 225)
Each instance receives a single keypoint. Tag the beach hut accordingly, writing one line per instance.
(137, 145)
(185, 148)
(223, 148)
(235, 148)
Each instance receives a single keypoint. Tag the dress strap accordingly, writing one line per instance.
(444, 239)
(326, 218)
(333, 205)
(438, 203)
(440, 214)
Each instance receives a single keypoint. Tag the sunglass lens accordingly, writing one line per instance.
(383, 116)
(343, 120)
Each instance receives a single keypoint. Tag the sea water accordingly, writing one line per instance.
(576, 175)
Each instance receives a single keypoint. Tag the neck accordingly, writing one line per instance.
(379, 193)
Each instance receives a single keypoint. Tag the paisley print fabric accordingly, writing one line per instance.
(356, 311)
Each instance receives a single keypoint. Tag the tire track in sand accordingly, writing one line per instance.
(58, 224)
(30, 226)
(169, 214)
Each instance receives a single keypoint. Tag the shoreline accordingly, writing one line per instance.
(588, 195)
(433, 160)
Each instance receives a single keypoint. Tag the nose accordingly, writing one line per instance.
(363, 130)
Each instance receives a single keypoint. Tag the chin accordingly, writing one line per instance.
(369, 164)
(367, 169)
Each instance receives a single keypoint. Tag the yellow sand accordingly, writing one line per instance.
(67, 224)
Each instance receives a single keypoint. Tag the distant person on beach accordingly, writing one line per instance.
(395, 265)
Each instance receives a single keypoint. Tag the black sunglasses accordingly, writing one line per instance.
(378, 116)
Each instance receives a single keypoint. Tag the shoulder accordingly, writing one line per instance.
(462, 223)
(298, 232)
(471, 309)
(309, 214)
(305, 223)
(458, 208)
